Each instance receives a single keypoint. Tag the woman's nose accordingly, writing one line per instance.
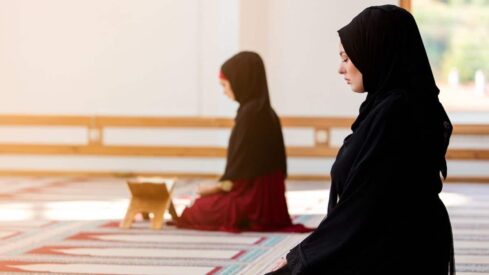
(341, 70)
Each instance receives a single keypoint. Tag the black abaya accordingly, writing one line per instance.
(256, 146)
(384, 214)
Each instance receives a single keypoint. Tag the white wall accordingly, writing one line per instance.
(130, 57)
(303, 56)
(117, 57)
(219, 39)
(161, 58)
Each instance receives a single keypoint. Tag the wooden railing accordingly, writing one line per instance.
(96, 126)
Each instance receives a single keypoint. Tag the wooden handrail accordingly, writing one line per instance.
(471, 129)
(170, 122)
(148, 151)
(192, 151)
(321, 126)
(43, 120)
(100, 123)
(197, 122)
(167, 122)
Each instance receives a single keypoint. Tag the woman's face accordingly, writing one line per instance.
(352, 75)
(226, 85)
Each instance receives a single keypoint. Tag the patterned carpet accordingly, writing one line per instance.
(70, 226)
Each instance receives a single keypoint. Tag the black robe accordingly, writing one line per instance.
(384, 213)
(256, 145)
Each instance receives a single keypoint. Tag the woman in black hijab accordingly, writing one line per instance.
(384, 213)
(251, 193)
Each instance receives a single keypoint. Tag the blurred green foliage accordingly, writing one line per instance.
(456, 35)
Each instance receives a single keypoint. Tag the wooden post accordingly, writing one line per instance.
(406, 4)
(322, 137)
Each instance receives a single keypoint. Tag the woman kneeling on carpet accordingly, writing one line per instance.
(385, 216)
(250, 196)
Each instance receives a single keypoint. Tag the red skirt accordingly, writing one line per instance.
(252, 205)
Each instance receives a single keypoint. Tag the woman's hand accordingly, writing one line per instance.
(279, 264)
(208, 189)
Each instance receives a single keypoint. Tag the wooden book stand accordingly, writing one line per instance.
(150, 195)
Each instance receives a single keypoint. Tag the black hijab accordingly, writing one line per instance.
(256, 146)
(385, 45)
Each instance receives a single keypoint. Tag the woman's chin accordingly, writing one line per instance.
(359, 91)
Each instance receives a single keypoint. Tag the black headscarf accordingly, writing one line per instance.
(384, 213)
(385, 45)
(256, 146)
